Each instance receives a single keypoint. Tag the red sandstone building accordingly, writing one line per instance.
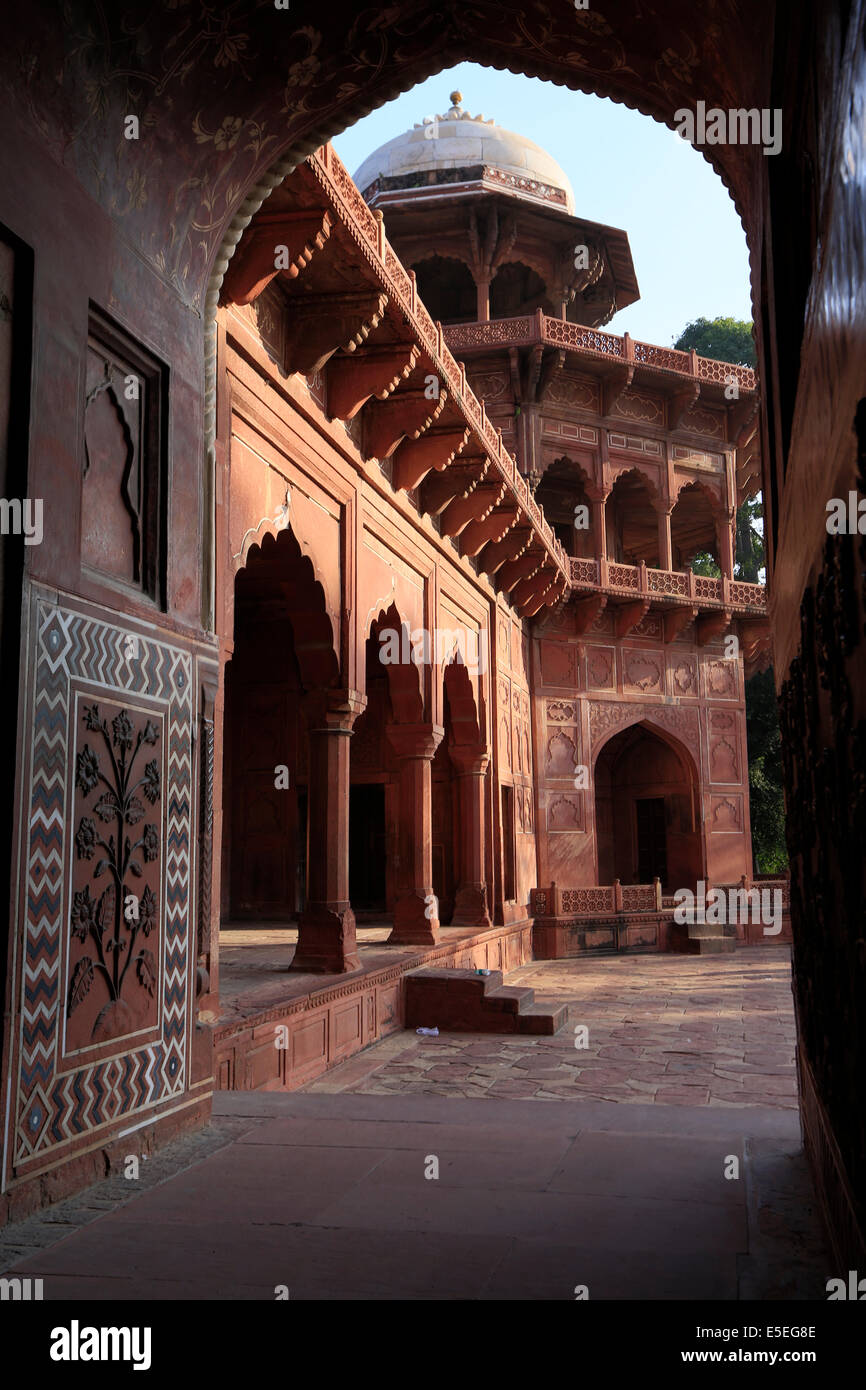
(271, 428)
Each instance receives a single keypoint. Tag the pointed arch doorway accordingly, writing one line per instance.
(647, 810)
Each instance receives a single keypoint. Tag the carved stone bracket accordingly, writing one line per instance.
(354, 377)
(255, 263)
(433, 452)
(628, 615)
(475, 506)
(710, 625)
(676, 620)
(407, 413)
(318, 325)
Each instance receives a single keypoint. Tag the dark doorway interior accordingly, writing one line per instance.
(652, 857)
(367, 847)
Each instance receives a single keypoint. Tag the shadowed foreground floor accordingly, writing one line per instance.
(331, 1192)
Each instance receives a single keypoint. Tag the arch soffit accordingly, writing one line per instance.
(405, 680)
(676, 745)
(317, 644)
(713, 495)
(646, 479)
(604, 59)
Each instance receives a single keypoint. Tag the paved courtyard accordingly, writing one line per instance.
(669, 1167)
(668, 1030)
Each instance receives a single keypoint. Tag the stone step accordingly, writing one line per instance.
(542, 1020)
(702, 939)
(463, 1001)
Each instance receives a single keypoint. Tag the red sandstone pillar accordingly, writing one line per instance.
(665, 547)
(483, 299)
(416, 916)
(599, 525)
(726, 550)
(326, 931)
(470, 907)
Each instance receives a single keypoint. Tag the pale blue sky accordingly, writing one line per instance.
(687, 244)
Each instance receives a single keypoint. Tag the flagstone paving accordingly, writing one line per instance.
(662, 1029)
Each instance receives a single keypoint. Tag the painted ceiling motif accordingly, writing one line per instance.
(222, 92)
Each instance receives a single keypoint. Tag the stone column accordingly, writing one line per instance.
(470, 906)
(482, 286)
(416, 914)
(726, 547)
(599, 528)
(326, 931)
(665, 547)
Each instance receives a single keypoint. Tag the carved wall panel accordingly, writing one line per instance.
(643, 671)
(561, 711)
(109, 725)
(565, 811)
(123, 487)
(573, 390)
(503, 640)
(115, 931)
(562, 759)
(636, 405)
(683, 675)
(703, 420)
(601, 668)
(559, 664)
(725, 813)
(721, 679)
(724, 760)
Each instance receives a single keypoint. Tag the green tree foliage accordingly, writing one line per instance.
(730, 340)
(749, 541)
(725, 340)
(703, 563)
(765, 775)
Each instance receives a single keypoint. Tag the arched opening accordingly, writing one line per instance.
(647, 811)
(632, 521)
(693, 528)
(566, 504)
(446, 286)
(517, 289)
(446, 820)
(393, 692)
(371, 797)
(282, 649)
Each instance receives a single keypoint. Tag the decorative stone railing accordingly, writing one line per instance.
(541, 328)
(596, 901)
(686, 585)
(368, 231)
(631, 897)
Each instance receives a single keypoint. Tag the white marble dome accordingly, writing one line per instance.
(461, 140)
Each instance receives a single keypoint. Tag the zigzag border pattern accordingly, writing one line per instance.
(53, 1108)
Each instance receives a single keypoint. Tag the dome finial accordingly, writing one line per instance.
(456, 98)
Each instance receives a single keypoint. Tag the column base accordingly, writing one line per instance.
(326, 940)
(470, 907)
(412, 926)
